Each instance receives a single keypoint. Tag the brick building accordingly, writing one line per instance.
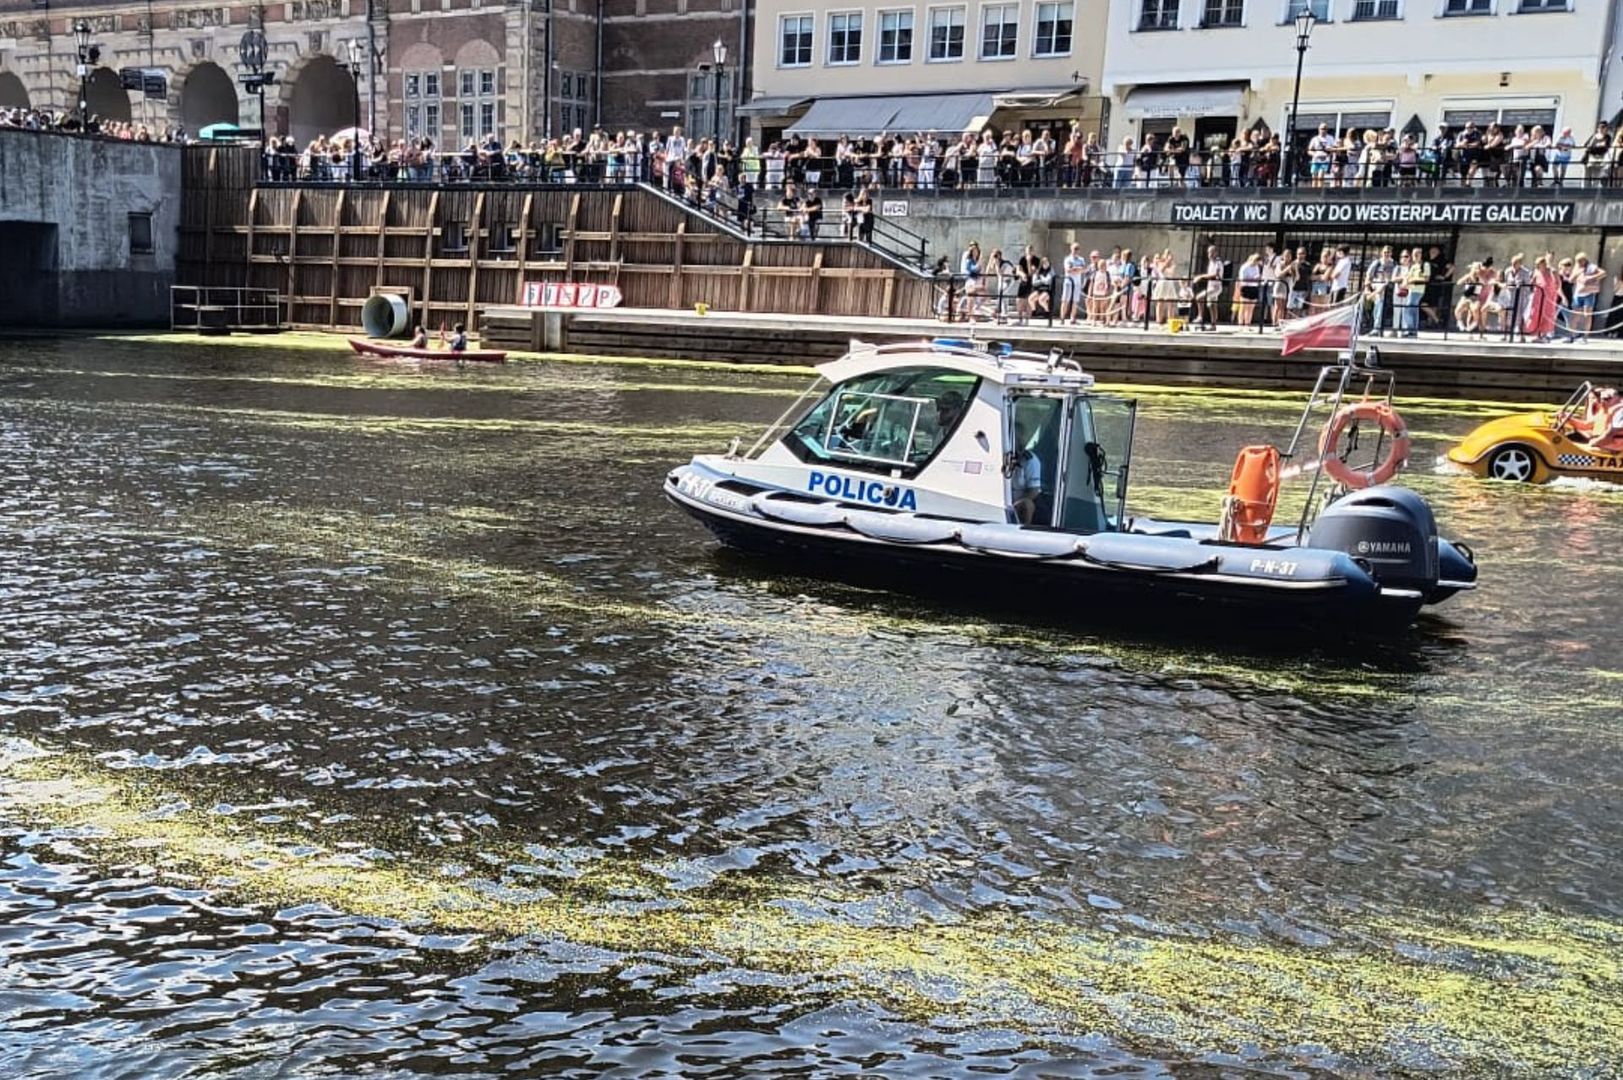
(453, 69)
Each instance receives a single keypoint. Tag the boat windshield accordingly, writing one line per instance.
(1101, 441)
(885, 421)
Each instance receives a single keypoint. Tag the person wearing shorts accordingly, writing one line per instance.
(1586, 279)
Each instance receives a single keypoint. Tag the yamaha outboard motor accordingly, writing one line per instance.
(1388, 529)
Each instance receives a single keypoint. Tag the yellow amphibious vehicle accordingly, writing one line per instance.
(1582, 438)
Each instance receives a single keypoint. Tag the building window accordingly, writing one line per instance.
(1223, 13)
(478, 104)
(422, 104)
(1053, 29)
(1528, 6)
(1544, 116)
(795, 41)
(1468, 7)
(1158, 15)
(1319, 8)
(1000, 31)
(947, 33)
(895, 37)
(845, 37)
(567, 85)
(141, 234)
(1369, 10)
(703, 118)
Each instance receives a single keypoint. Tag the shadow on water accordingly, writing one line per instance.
(1150, 627)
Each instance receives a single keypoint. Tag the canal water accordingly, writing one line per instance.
(366, 719)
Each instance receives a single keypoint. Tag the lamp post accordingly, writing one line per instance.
(81, 39)
(1304, 31)
(253, 51)
(357, 59)
(718, 52)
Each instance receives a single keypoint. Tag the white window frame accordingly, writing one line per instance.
(1565, 8)
(963, 36)
(1352, 12)
(1183, 13)
(1202, 24)
(847, 14)
(811, 53)
(1444, 13)
(1036, 27)
(980, 37)
(912, 35)
(1288, 11)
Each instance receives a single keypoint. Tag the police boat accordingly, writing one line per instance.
(1007, 470)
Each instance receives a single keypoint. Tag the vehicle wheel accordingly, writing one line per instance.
(1512, 463)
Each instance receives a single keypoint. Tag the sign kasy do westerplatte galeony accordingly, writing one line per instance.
(1394, 212)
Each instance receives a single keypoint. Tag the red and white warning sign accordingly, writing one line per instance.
(569, 294)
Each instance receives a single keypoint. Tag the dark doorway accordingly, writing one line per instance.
(105, 95)
(1233, 247)
(28, 274)
(207, 97)
(13, 94)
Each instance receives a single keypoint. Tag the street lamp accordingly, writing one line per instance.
(88, 55)
(1304, 30)
(357, 58)
(718, 52)
(253, 51)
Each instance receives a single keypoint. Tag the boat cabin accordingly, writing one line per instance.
(958, 430)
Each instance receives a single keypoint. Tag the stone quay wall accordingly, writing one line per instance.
(89, 228)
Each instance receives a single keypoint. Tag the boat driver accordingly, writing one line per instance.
(1026, 484)
(949, 409)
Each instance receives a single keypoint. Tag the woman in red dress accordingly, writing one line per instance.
(1546, 300)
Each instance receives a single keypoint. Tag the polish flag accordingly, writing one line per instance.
(1332, 329)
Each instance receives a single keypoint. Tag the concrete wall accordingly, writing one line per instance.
(65, 203)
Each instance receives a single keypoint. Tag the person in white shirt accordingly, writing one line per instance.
(1070, 296)
(1027, 481)
(1340, 276)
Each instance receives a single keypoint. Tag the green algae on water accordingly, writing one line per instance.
(1529, 992)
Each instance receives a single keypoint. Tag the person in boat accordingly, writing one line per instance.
(419, 337)
(1028, 478)
(949, 409)
(459, 339)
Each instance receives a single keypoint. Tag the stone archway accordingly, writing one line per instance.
(13, 94)
(321, 100)
(207, 96)
(105, 96)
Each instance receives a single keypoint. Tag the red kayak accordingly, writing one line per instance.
(406, 352)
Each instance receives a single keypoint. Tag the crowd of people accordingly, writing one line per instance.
(43, 120)
(1543, 299)
(1486, 156)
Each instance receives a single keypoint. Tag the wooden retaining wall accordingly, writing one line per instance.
(454, 249)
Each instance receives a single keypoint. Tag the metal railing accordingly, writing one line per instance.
(1002, 173)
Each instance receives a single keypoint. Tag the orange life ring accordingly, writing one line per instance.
(1377, 412)
(1253, 493)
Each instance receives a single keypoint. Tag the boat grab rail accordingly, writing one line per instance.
(978, 352)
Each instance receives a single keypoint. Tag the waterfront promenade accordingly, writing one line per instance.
(1430, 365)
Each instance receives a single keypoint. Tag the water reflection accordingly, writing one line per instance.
(435, 633)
